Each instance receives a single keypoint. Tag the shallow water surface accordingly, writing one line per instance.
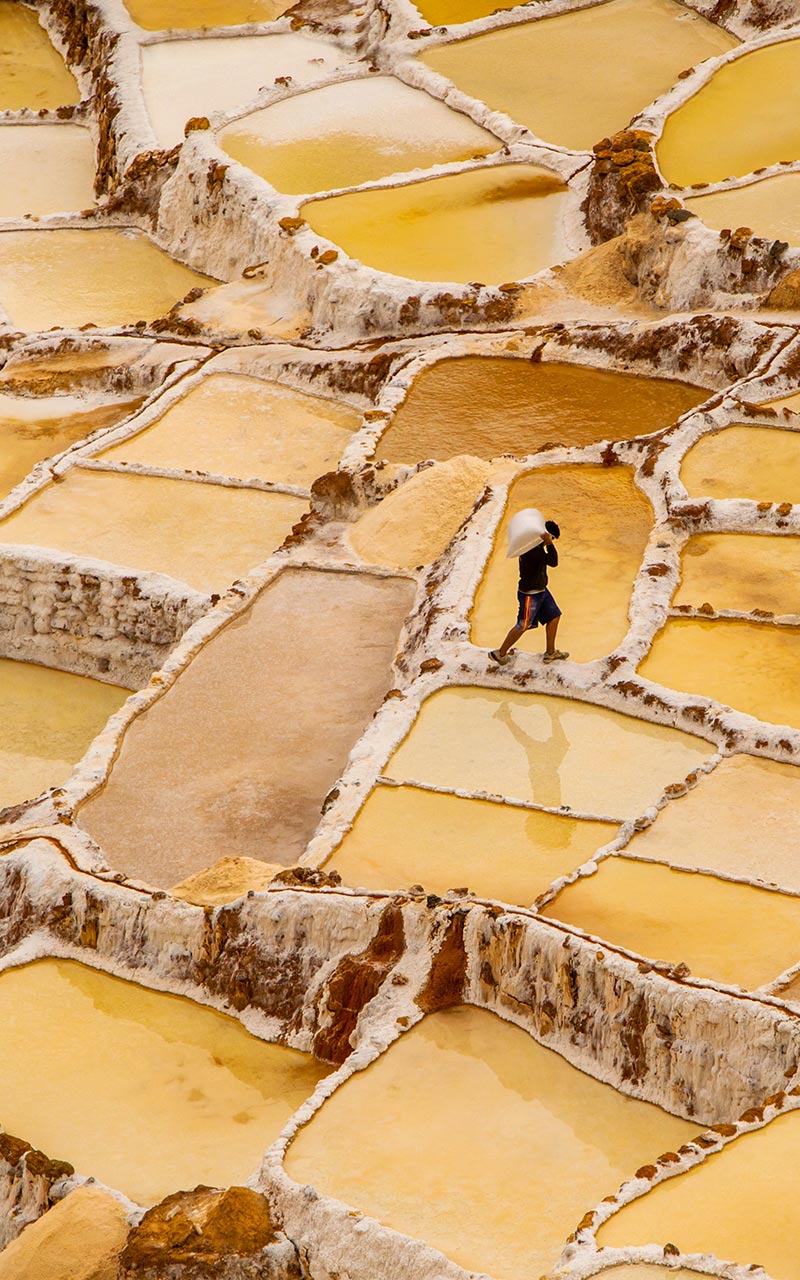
(66, 278)
(545, 749)
(33, 428)
(759, 463)
(552, 1138)
(32, 72)
(48, 719)
(350, 133)
(162, 1093)
(743, 819)
(405, 836)
(595, 68)
(672, 915)
(53, 168)
(159, 15)
(746, 117)
(749, 666)
(770, 207)
(741, 571)
(205, 535)
(490, 405)
(233, 425)
(728, 1206)
(605, 523)
(490, 225)
(186, 78)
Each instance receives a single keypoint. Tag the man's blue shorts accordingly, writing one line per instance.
(536, 610)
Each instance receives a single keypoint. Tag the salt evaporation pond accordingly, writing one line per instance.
(543, 749)
(32, 73)
(583, 87)
(741, 571)
(149, 1093)
(253, 782)
(501, 1193)
(749, 666)
(440, 13)
(53, 168)
(491, 225)
(36, 427)
(746, 117)
(350, 133)
(680, 916)
(759, 463)
(742, 820)
(233, 425)
(605, 523)
(205, 535)
(490, 405)
(405, 835)
(48, 719)
(734, 1205)
(67, 278)
(183, 79)
(172, 15)
(771, 207)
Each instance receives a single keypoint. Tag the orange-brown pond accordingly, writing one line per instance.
(490, 405)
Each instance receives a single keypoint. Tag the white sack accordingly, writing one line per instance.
(525, 531)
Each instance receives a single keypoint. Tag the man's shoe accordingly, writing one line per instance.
(498, 657)
(558, 655)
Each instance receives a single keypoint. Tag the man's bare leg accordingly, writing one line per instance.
(551, 631)
(513, 635)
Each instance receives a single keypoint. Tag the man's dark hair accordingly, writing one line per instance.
(552, 527)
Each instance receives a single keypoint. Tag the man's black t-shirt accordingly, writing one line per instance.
(533, 567)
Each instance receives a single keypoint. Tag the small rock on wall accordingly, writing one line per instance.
(623, 178)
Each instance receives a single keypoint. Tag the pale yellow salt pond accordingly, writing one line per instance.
(490, 225)
(734, 1205)
(595, 68)
(47, 720)
(741, 571)
(53, 168)
(605, 523)
(67, 278)
(749, 666)
(770, 207)
(172, 15)
(416, 522)
(500, 1192)
(163, 1093)
(205, 535)
(759, 463)
(544, 749)
(786, 402)
(353, 132)
(183, 79)
(490, 405)
(746, 117)
(238, 426)
(742, 820)
(34, 428)
(732, 933)
(32, 73)
(405, 835)
(646, 1271)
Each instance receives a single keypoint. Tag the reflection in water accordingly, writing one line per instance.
(500, 1193)
(612, 763)
(163, 1094)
